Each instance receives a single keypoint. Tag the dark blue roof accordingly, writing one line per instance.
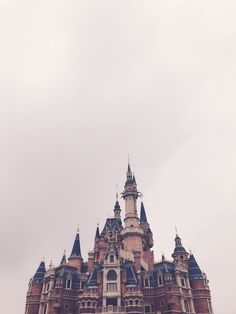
(194, 270)
(39, 275)
(76, 252)
(143, 217)
(63, 260)
(93, 278)
(117, 205)
(163, 268)
(130, 276)
(67, 272)
(97, 233)
(112, 223)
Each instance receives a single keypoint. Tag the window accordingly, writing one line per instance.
(111, 258)
(111, 275)
(66, 306)
(89, 303)
(112, 287)
(160, 281)
(146, 282)
(111, 301)
(136, 302)
(68, 284)
(182, 282)
(186, 306)
(147, 309)
(162, 303)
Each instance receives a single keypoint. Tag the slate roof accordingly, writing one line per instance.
(130, 275)
(39, 275)
(143, 217)
(76, 252)
(194, 270)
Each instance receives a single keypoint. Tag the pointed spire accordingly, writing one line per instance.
(194, 270)
(76, 252)
(117, 209)
(63, 260)
(143, 217)
(97, 234)
(39, 275)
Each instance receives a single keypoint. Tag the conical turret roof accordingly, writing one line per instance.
(143, 217)
(194, 270)
(39, 275)
(76, 251)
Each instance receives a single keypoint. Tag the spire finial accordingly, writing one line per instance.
(43, 258)
(176, 231)
(141, 196)
(117, 192)
(78, 229)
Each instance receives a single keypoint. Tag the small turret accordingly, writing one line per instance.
(75, 258)
(63, 260)
(194, 270)
(39, 275)
(35, 289)
(117, 209)
(179, 249)
(97, 234)
(199, 282)
(143, 217)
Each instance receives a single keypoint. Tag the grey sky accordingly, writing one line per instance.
(84, 83)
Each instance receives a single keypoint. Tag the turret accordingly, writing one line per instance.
(35, 289)
(199, 284)
(63, 260)
(75, 258)
(143, 217)
(117, 209)
(180, 255)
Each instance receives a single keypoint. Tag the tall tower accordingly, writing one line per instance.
(132, 233)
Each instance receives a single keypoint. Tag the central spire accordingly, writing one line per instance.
(130, 195)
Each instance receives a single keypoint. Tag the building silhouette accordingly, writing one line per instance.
(120, 275)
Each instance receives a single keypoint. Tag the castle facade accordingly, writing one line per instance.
(120, 274)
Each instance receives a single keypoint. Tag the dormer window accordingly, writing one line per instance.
(146, 282)
(68, 283)
(160, 281)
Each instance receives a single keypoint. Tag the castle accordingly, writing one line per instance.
(120, 275)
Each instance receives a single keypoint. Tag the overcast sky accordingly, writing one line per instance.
(85, 83)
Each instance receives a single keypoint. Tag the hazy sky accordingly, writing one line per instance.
(85, 83)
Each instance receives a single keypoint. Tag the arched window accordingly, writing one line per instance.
(111, 275)
(186, 306)
(111, 258)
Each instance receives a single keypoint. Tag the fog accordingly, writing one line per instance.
(85, 83)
